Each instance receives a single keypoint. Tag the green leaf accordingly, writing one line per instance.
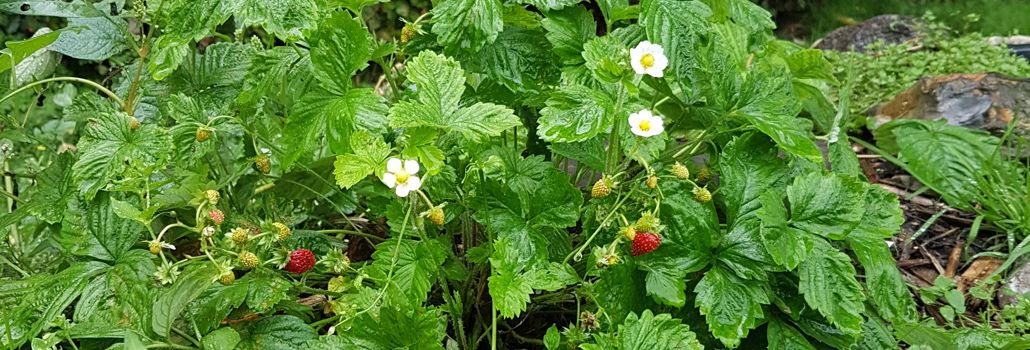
(281, 332)
(575, 113)
(567, 30)
(208, 310)
(766, 99)
(875, 336)
(467, 24)
(335, 116)
(224, 338)
(54, 189)
(440, 82)
(552, 339)
(108, 237)
(825, 204)
(413, 328)
(369, 157)
(183, 22)
(651, 332)
(415, 266)
(749, 166)
(265, 289)
(687, 243)
(166, 56)
(339, 48)
(187, 287)
(677, 27)
(286, 19)
(843, 159)
(882, 216)
(518, 61)
(810, 64)
(17, 51)
(32, 303)
(606, 58)
(109, 146)
(783, 336)
(92, 38)
(588, 153)
(886, 288)
(54, 8)
(547, 5)
(732, 306)
(827, 280)
(786, 245)
(942, 156)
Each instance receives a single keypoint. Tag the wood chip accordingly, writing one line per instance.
(977, 271)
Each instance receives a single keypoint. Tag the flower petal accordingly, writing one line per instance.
(394, 165)
(403, 190)
(411, 166)
(654, 72)
(635, 118)
(389, 180)
(414, 183)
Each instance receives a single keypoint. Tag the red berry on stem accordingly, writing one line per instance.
(216, 216)
(645, 242)
(301, 260)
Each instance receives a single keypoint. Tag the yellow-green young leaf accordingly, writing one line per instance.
(827, 205)
(731, 306)
(467, 24)
(827, 280)
(575, 113)
(567, 30)
(369, 157)
(439, 82)
(552, 339)
(783, 336)
(281, 332)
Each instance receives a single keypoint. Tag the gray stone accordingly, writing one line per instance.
(891, 29)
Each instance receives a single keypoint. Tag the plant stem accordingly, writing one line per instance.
(493, 326)
(352, 233)
(607, 218)
(103, 89)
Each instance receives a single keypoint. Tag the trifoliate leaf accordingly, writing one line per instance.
(652, 332)
(787, 245)
(676, 25)
(827, 280)
(187, 287)
(369, 157)
(731, 305)
(882, 215)
(567, 30)
(280, 332)
(606, 58)
(93, 38)
(783, 336)
(575, 113)
(810, 64)
(336, 116)
(766, 100)
(439, 82)
(467, 24)
(749, 166)
(108, 147)
(825, 204)
(519, 62)
(687, 242)
(54, 189)
(742, 251)
(394, 329)
(182, 22)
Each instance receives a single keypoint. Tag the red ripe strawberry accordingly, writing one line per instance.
(645, 242)
(217, 216)
(301, 260)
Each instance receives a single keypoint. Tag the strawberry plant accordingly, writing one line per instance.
(504, 174)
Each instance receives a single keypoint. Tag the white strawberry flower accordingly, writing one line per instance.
(645, 124)
(400, 176)
(648, 58)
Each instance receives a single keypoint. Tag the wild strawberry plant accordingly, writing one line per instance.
(271, 175)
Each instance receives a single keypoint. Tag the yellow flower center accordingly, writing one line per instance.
(645, 125)
(647, 61)
(402, 176)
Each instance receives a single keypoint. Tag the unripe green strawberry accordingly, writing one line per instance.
(701, 194)
(337, 284)
(651, 182)
(203, 134)
(283, 231)
(133, 123)
(588, 321)
(680, 171)
(227, 279)
(155, 247)
(248, 260)
(407, 33)
(436, 216)
(647, 223)
(704, 174)
(602, 188)
(212, 196)
(239, 235)
(263, 164)
(629, 232)
(216, 216)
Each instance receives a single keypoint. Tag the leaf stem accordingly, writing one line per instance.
(91, 83)
(352, 233)
(600, 226)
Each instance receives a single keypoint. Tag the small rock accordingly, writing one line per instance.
(1009, 40)
(985, 101)
(891, 29)
(1017, 286)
